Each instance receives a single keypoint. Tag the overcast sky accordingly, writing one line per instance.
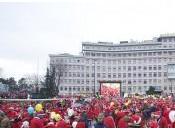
(31, 31)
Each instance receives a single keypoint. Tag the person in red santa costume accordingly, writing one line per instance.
(109, 122)
(124, 122)
(37, 121)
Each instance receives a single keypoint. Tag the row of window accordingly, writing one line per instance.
(109, 69)
(114, 75)
(130, 47)
(74, 89)
(160, 53)
(112, 62)
(145, 88)
(87, 81)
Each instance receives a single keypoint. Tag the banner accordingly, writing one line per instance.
(110, 89)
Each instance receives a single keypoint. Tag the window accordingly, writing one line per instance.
(61, 88)
(145, 74)
(150, 74)
(65, 88)
(104, 75)
(165, 74)
(129, 82)
(109, 69)
(98, 75)
(165, 88)
(87, 89)
(139, 67)
(129, 68)
(93, 75)
(82, 74)
(129, 75)
(155, 68)
(103, 54)
(145, 82)
(124, 67)
(119, 75)
(159, 74)
(155, 74)
(87, 75)
(114, 68)
(98, 68)
(150, 54)
(109, 75)
(124, 75)
(145, 68)
(159, 67)
(78, 74)
(87, 81)
(114, 75)
(134, 68)
(134, 75)
(78, 81)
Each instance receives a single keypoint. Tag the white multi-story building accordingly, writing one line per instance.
(138, 65)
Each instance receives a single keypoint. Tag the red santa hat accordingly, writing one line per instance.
(137, 119)
(153, 124)
(62, 124)
(172, 116)
(156, 114)
(50, 125)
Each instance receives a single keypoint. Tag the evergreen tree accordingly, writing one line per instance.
(53, 87)
(47, 83)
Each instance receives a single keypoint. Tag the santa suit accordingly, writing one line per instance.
(36, 122)
(153, 124)
(136, 119)
(62, 124)
(163, 122)
(50, 125)
(119, 115)
(109, 122)
(122, 123)
(81, 125)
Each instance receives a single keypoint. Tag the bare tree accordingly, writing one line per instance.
(34, 80)
(60, 68)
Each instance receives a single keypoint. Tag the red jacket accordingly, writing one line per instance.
(81, 125)
(122, 123)
(36, 122)
(62, 124)
(109, 122)
(163, 123)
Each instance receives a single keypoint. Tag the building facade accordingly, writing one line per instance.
(138, 65)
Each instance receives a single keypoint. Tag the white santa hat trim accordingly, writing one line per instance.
(74, 124)
(172, 116)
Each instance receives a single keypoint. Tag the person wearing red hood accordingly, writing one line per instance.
(62, 124)
(81, 125)
(37, 122)
(124, 122)
(118, 116)
(109, 122)
(50, 125)
(11, 113)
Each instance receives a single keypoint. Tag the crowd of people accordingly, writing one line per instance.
(21, 94)
(95, 112)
